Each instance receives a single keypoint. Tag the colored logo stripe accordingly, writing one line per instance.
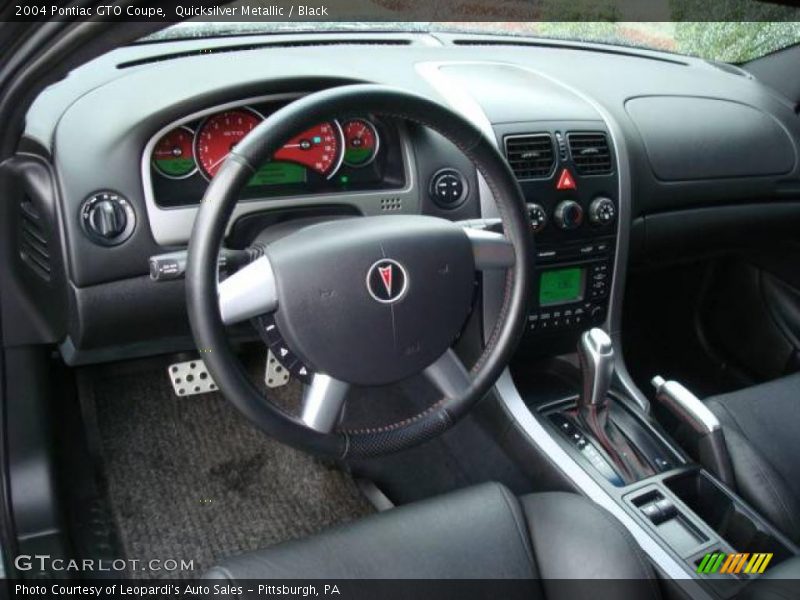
(734, 563)
(758, 563)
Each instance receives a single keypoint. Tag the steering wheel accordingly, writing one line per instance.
(366, 300)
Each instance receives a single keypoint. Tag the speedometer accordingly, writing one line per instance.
(219, 133)
(319, 148)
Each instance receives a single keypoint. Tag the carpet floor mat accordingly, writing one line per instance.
(190, 479)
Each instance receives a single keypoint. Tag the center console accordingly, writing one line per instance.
(566, 172)
(600, 435)
(678, 500)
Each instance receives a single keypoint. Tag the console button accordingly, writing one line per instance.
(568, 215)
(538, 217)
(566, 181)
(448, 188)
(546, 254)
(651, 511)
(662, 464)
(602, 211)
(666, 508)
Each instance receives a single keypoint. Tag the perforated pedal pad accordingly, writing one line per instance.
(190, 378)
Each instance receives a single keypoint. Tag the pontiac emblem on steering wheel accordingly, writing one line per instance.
(387, 281)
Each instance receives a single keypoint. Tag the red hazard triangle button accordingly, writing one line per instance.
(566, 181)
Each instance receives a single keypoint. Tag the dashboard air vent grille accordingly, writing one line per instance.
(590, 153)
(33, 245)
(530, 156)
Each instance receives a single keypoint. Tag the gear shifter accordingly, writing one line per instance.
(597, 363)
(596, 356)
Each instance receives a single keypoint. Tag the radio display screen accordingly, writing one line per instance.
(562, 286)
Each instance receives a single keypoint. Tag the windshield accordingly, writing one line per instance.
(734, 42)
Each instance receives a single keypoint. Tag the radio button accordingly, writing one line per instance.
(546, 254)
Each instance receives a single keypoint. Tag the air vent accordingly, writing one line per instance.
(33, 245)
(590, 153)
(530, 156)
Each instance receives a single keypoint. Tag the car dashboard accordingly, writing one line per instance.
(618, 153)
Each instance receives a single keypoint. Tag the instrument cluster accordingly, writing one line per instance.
(354, 153)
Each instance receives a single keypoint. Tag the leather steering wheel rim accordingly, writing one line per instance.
(208, 234)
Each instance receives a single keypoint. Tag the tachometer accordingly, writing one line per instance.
(360, 142)
(173, 155)
(318, 148)
(219, 133)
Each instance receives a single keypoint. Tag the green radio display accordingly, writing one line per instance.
(561, 286)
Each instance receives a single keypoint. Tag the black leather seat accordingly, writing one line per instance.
(557, 546)
(762, 431)
(482, 532)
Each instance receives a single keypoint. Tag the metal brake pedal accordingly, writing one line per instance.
(275, 374)
(190, 378)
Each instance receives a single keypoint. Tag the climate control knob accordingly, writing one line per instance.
(568, 215)
(602, 211)
(538, 217)
(107, 218)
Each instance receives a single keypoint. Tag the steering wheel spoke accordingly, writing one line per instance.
(449, 375)
(248, 293)
(490, 249)
(323, 401)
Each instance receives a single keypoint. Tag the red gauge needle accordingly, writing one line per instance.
(221, 160)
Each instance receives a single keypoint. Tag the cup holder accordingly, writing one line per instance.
(731, 519)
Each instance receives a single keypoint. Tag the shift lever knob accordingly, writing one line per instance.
(597, 364)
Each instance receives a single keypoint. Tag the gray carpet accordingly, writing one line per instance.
(189, 478)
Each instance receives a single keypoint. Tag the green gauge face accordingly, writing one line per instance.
(361, 142)
(173, 156)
